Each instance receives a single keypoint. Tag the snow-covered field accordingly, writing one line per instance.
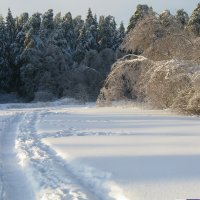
(62, 152)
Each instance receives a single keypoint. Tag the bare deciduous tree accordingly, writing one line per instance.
(161, 41)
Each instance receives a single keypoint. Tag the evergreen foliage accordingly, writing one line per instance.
(182, 17)
(58, 55)
(40, 54)
(194, 21)
(140, 13)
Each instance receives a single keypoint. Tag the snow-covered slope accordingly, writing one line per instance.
(87, 153)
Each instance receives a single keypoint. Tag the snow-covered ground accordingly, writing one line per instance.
(62, 152)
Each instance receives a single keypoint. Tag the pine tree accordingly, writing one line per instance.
(58, 20)
(69, 32)
(2, 27)
(82, 45)
(182, 17)
(21, 21)
(11, 33)
(11, 27)
(35, 22)
(114, 34)
(32, 38)
(89, 19)
(5, 70)
(22, 28)
(78, 24)
(91, 25)
(94, 32)
(166, 18)
(102, 38)
(31, 58)
(47, 20)
(47, 26)
(140, 13)
(194, 21)
(107, 33)
(121, 33)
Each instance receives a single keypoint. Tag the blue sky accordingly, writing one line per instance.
(120, 9)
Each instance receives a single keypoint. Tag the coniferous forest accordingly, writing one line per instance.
(49, 56)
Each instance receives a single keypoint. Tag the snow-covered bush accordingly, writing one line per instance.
(196, 80)
(169, 77)
(162, 84)
(193, 106)
(145, 33)
(162, 37)
(124, 80)
(166, 81)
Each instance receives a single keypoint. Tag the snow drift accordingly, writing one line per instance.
(162, 84)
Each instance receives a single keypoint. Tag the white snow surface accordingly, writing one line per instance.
(80, 152)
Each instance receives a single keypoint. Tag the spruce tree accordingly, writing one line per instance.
(194, 21)
(107, 32)
(31, 58)
(5, 70)
(58, 20)
(69, 32)
(91, 25)
(82, 45)
(166, 18)
(89, 19)
(47, 20)
(11, 33)
(140, 13)
(21, 21)
(182, 17)
(121, 33)
(10, 27)
(78, 24)
(47, 26)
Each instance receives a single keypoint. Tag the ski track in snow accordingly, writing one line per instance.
(49, 174)
(2, 124)
(11, 175)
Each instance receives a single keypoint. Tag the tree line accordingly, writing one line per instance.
(163, 68)
(47, 56)
(153, 34)
(55, 56)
